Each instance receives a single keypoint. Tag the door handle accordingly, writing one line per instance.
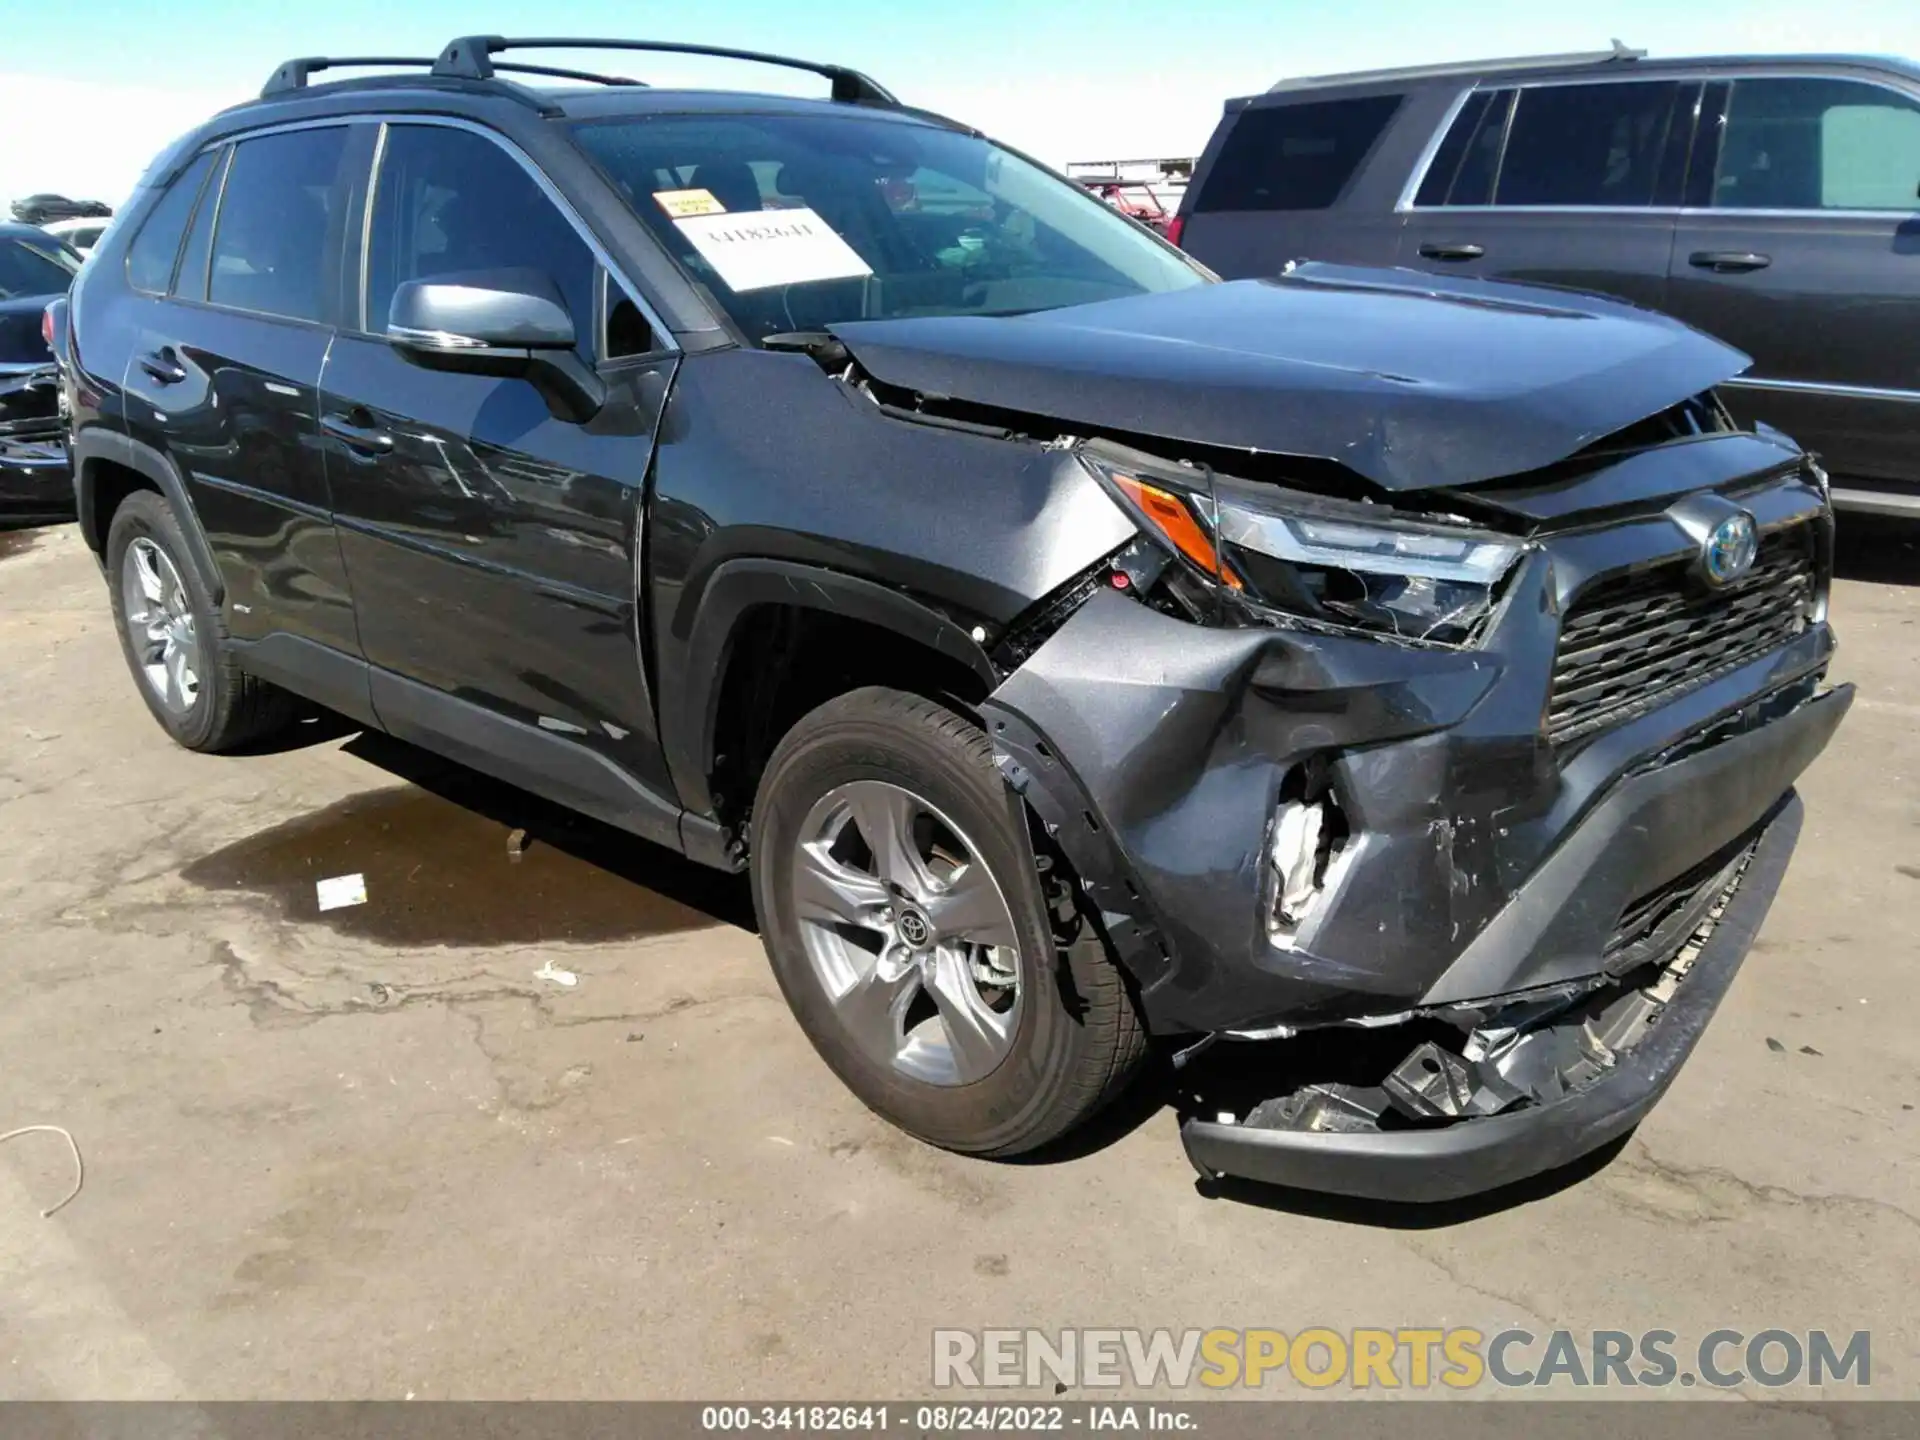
(1435, 251)
(366, 439)
(1729, 262)
(163, 366)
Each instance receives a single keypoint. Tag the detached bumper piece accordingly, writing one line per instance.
(1540, 1078)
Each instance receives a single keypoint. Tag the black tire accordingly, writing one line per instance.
(1077, 1038)
(232, 707)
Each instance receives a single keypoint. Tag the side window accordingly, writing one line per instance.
(150, 258)
(1462, 169)
(1814, 144)
(190, 280)
(1294, 157)
(625, 331)
(1587, 144)
(276, 221)
(449, 203)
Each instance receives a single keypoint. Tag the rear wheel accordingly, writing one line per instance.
(174, 637)
(907, 919)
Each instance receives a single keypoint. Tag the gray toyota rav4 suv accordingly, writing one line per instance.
(1770, 201)
(1073, 648)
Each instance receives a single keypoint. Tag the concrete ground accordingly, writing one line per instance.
(369, 1153)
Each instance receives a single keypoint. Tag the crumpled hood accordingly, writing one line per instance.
(1414, 381)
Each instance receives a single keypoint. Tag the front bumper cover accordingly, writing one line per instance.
(1467, 1156)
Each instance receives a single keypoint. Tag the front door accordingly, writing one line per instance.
(493, 548)
(1803, 249)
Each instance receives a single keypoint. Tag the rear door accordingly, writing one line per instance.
(224, 376)
(1561, 183)
(1802, 247)
(494, 548)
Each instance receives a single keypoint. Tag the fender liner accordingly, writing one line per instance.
(687, 725)
(97, 443)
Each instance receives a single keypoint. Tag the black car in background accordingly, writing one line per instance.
(1072, 647)
(1771, 201)
(35, 271)
(46, 209)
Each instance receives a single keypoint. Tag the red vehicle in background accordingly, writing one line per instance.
(1145, 190)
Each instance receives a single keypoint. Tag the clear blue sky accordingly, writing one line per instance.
(1068, 79)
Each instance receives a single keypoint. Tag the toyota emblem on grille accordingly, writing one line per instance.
(1724, 538)
(1727, 552)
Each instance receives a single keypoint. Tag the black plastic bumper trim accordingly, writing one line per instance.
(1472, 1156)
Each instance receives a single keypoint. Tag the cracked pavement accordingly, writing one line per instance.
(370, 1154)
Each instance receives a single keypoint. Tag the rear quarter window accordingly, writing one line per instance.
(1294, 157)
(151, 257)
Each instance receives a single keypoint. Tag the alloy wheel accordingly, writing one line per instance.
(159, 620)
(908, 932)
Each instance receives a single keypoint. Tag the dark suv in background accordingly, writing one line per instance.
(1773, 202)
(1072, 647)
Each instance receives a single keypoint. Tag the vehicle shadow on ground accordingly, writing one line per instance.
(312, 726)
(504, 809)
(1877, 549)
(17, 537)
(719, 896)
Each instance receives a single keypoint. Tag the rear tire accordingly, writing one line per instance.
(175, 639)
(947, 1000)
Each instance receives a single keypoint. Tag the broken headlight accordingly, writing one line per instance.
(1338, 562)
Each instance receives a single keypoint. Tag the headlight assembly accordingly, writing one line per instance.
(1334, 562)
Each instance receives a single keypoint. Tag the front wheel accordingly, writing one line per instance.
(904, 912)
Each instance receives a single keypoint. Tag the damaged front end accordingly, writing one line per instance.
(1420, 726)
(1512, 1051)
(1493, 1091)
(1466, 813)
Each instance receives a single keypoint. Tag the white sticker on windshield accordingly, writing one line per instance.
(755, 249)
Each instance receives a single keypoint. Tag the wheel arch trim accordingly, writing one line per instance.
(95, 445)
(736, 587)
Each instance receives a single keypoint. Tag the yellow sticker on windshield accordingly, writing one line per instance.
(682, 203)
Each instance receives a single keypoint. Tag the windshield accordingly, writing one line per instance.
(796, 222)
(30, 270)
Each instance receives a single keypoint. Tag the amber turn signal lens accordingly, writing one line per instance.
(1172, 518)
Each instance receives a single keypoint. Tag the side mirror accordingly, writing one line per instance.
(504, 323)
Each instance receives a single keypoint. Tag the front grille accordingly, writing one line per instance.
(1639, 641)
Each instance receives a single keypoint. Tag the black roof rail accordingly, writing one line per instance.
(471, 58)
(292, 78)
(561, 73)
(1617, 55)
(293, 75)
